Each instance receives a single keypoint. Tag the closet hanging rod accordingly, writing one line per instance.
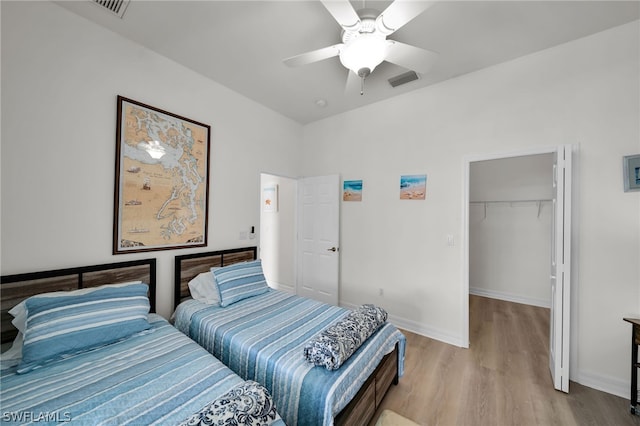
(538, 202)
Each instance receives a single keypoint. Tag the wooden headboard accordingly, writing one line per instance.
(16, 288)
(189, 265)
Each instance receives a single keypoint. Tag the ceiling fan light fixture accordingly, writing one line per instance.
(364, 52)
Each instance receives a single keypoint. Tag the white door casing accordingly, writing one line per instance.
(560, 279)
(561, 258)
(318, 238)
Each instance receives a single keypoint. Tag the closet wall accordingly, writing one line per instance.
(510, 229)
(278, 232)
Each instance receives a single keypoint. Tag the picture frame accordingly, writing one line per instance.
(413, 187)
(352, 190)
(270, 198)
(631, 172)
(161, 196)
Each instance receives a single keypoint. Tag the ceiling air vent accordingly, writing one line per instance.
(116, 7)
(404, 78)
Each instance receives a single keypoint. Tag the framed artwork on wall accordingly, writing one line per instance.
(631, 168)
(161, 180)
(352, 190)
(270, 198)
(413, 187)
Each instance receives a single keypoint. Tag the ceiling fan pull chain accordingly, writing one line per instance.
(362, 86)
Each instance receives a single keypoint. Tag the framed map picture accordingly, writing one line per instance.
(162, 180)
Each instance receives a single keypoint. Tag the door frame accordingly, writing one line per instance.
(467, 160)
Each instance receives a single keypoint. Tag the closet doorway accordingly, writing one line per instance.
(510, 206)
(517, 235)
(278, 230)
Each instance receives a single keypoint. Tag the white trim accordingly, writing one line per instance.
(602, 383)
(418, 328)
(466, 166)
(282, 287)
(510, 297)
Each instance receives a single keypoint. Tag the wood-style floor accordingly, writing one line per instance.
(502, 379)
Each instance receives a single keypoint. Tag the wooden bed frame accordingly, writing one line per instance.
(17, 287)
(363, 406)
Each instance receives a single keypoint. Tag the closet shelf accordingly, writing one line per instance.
(485, 202)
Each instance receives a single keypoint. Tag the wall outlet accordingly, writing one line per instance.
(380, 292)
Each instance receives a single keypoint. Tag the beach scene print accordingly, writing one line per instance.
(413, 187)
(352, 190)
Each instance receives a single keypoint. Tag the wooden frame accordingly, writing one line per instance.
(364, 405)
(161, 180)
(17, 287)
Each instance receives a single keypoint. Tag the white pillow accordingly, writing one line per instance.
(11, 357)
(203, 288)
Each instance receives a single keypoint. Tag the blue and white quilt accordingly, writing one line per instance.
(262, 338)
(156, 377)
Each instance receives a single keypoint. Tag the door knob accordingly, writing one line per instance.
(334, 249)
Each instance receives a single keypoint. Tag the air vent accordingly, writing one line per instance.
(116, 7)
(404, 78)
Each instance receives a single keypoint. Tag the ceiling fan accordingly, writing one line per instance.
(364, 40)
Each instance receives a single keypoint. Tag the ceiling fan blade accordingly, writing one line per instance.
(314, 56)
(411, 57)
(399, 13)
(343, 13)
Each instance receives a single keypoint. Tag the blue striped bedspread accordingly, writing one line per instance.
(157, 377)
(262, 338)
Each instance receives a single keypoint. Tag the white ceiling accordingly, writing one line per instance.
(241, 44)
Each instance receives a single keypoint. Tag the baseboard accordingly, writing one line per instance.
(606, 384)
(509, 297)
(418, 328)
(282, 287)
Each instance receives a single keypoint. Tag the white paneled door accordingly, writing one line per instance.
(318, 238)
(560, 270)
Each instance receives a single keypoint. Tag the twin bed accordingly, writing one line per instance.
(262, 338)
(155, 376)
(161, 376)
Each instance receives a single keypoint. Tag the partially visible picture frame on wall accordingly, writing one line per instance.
(161, 180)
(631, 169)
(270, 198)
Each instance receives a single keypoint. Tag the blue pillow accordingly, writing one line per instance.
(66, 325)
(239, 281)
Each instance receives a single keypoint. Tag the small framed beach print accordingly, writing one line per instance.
(270, 198)
(413, 187)
(352, 190)
(631, 167)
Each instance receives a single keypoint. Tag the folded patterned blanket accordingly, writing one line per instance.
(247, 403)
(335, 344)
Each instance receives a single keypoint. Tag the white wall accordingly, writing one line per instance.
(584, 93)
(510, 242)
(60, 78)
(278, 234)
